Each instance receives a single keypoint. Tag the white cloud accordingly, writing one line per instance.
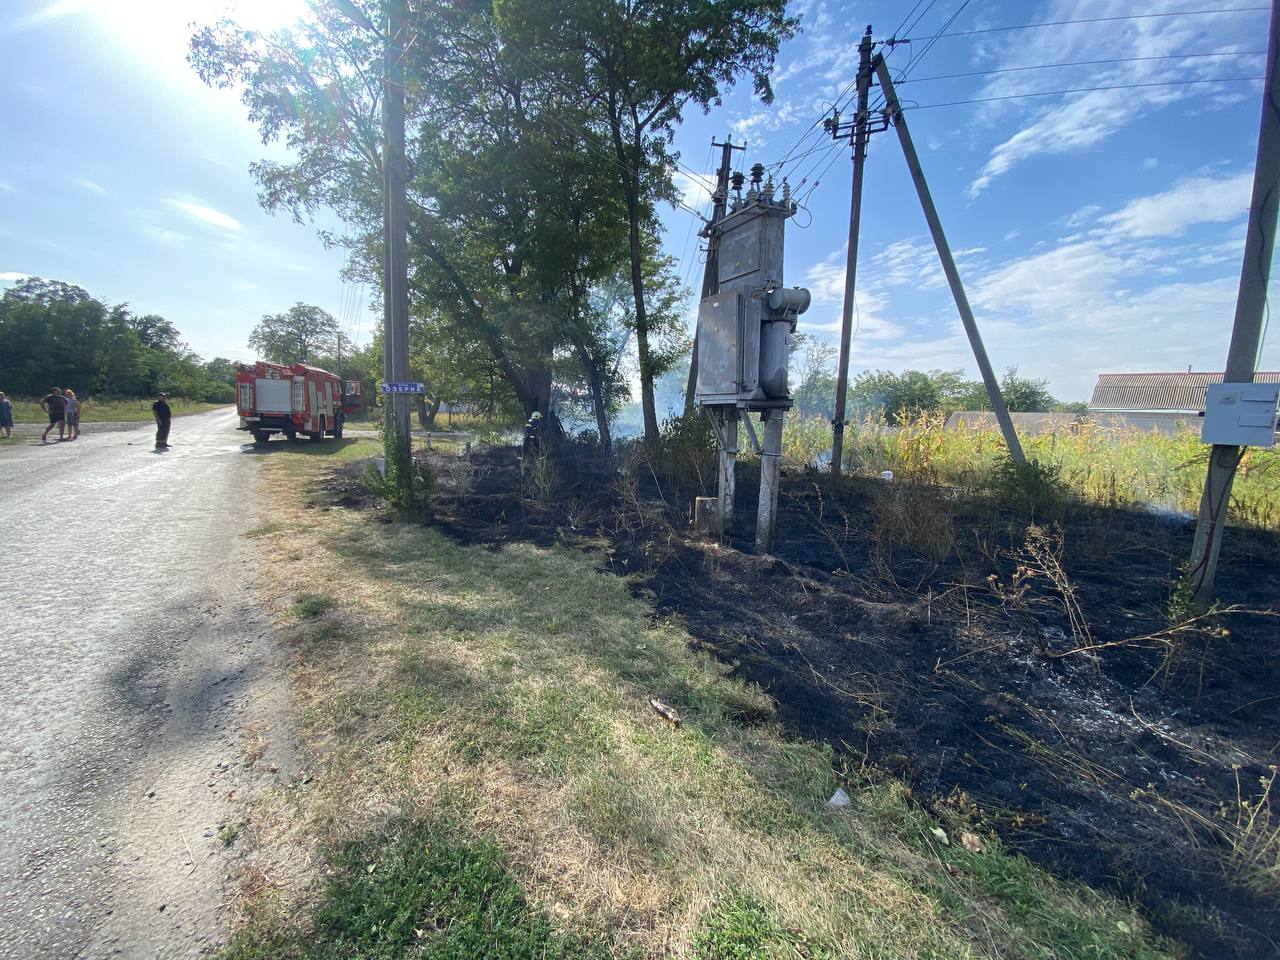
(695, 191)
(13, 276)
(1080, 121)
(6, 186)
(1082, 216)
(1196, 200)
(207, 214)
(1078, 124)
(1150, 163)
(86, 184)
(825, 281)
(50, 12)
(911, 262)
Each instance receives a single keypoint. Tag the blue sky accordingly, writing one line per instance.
(1095, 231)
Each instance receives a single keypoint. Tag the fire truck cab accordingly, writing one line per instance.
(276, 398)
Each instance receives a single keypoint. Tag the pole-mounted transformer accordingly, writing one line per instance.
(744, 339)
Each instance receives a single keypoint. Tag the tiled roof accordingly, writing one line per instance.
(1151, 392)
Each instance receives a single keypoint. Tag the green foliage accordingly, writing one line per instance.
(407, 481)
(898, 396)
(739, 928)
(1111, 467)
(302, 334)
(427, 891)
(1035, 487)
(55, 333)
(687, 452)
(311, 605)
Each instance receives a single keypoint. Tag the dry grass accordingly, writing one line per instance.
(508, 691)
(1111, 467)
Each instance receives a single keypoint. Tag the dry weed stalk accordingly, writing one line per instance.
(1246, 831)
(1039, 561)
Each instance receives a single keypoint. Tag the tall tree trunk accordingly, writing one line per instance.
(629, 164)
(595, 383)
(427, 411)
(647, 404)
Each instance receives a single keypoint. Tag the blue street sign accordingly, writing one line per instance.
(395, 386)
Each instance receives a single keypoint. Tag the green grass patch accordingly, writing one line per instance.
(308, 606)
(424, 890)
(739, 928)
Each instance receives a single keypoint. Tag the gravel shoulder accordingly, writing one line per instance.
(135, 655)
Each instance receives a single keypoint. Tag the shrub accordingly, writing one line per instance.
(1035, 487)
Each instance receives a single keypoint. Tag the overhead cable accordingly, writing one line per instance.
(1057, 93)
(1128, 16)
(1079, 63)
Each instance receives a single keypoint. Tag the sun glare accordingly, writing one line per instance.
(161, 28)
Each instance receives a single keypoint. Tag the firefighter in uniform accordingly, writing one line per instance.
(533, 435)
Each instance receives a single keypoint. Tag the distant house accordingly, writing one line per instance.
(1168, 402)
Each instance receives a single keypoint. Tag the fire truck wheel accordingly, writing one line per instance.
(261, 436)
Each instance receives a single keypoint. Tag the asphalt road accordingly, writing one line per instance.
(133, 651)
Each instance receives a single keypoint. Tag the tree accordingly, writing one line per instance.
(640, 65)
(895, 395)
(813, 365)
(498, 158)
(56, 333)
(302, 334)
(1021, 395)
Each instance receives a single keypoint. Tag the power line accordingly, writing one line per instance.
(915, 61)
(1082, 63)
(1056, 93)
(1130, 16)
(910, 12)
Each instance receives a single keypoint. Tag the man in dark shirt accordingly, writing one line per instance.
(163, 415)
(55, 404)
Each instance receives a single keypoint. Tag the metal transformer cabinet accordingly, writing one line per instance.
(745, 327)
(744, 333)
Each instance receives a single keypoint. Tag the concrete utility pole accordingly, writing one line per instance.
(860, 135)
(1246, 332)
(395, 279)
(948, 262)
(711, 272)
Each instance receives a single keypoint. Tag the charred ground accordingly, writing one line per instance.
(1012, 660)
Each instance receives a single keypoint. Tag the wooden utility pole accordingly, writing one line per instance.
(1246, 332)
(395, 279)
(711, 272)
(948, 262)
(860, 135)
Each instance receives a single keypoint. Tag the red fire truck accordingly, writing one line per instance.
(274, 398)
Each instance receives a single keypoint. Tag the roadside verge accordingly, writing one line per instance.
(485, 765)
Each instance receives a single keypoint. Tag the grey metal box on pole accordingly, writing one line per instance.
(744, 339)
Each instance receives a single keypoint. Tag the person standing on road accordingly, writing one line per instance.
(163, 415)
(6, 415)
(55, 404)
(73, 413)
